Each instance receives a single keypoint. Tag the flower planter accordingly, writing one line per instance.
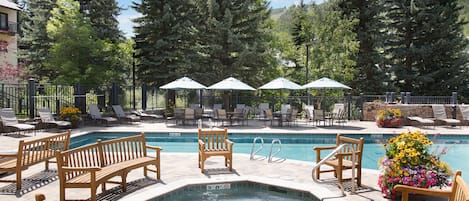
(408, 161)
(389, 123)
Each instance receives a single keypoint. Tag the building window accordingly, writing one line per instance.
(3, 21)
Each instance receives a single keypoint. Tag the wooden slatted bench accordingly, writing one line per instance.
(32, 152)
(95, 164)
(215, 143)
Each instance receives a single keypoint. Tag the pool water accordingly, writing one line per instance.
(239, 191)
(295, 146)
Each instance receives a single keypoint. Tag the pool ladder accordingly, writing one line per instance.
(275, 141)
(332, 155)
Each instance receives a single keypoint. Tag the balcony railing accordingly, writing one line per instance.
(11, 29)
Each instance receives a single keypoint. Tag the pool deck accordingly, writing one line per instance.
(180, 169)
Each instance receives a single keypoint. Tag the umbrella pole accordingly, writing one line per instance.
(273, 102)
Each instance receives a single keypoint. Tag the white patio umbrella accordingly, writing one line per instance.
(325, 83)
(183, 83)
(231, 84)
(281, 83)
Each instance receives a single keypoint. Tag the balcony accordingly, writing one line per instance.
(11, 29)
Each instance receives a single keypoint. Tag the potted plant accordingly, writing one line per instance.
(389, 118)
(408, 161)
(71, 114)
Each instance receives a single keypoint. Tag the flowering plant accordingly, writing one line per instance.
(389, 117)
(70, 114)
(409, 162)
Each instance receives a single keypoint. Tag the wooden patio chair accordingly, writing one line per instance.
(459, 190)
(343, 160)
(215, 143)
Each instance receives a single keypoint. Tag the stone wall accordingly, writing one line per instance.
(422, 110)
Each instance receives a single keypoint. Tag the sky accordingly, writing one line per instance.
(126, 16)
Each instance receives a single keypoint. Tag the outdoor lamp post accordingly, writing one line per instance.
(307, 59)
(133, 79)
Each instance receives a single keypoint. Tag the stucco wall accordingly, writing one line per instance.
(8, 58)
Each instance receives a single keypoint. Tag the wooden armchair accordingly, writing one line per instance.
(459, 191)
(215, 143)
(343, 159)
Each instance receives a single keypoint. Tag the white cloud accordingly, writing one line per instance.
(126, 24)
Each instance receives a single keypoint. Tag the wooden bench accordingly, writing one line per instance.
(215, 143)
(32, 152)
(343, 159)
(459, 190)
(95, 164)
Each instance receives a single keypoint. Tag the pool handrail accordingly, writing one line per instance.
(331, 155)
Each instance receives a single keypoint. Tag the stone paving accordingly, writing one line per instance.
(181, 169)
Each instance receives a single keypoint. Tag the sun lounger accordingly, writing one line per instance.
(120, 114)
(439, 113)
(144, 115)
(9, 121)
(96, 115)
(421, 122)
(47, 119)
(465, 113)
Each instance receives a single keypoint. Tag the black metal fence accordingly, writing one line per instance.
(25, 98)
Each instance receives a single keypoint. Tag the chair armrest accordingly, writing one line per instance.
(424, 191)
(324, 148)
(156, 148)
(9, 155)
(78, 169)
(230, 144)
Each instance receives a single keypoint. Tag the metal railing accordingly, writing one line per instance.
(331, 155)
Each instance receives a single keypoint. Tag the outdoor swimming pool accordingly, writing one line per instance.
(294, 146)
(240, 191)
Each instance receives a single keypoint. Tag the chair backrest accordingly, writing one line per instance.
(179, 113)
(262, 108)
(284, 108)
(194, 106)
(293, 114)
(240, 106)
(189, 113)
(460, 190)
(309, 109)
(94, 111)
(464, 111)
(338, 107)
(268, 114)
(214, 139)
(217, 106)
(221, 113)
(122, 149)
(35, 151)
(357, 145)
(8, 117)
(118, 110)
(198, 113)
(239, 112)
(45, 114)
(318, 115)
(439, 111)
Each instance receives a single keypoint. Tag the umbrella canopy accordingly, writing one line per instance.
(281, 83)
(183, 83)
(325, 83)
(231, 84)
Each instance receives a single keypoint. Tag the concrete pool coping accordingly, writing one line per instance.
(177, 167)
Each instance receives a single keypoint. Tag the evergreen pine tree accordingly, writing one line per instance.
(34, 44)
(426, 46)
(103, 17)
(233, 39)
(371, 70)
(165, 40)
